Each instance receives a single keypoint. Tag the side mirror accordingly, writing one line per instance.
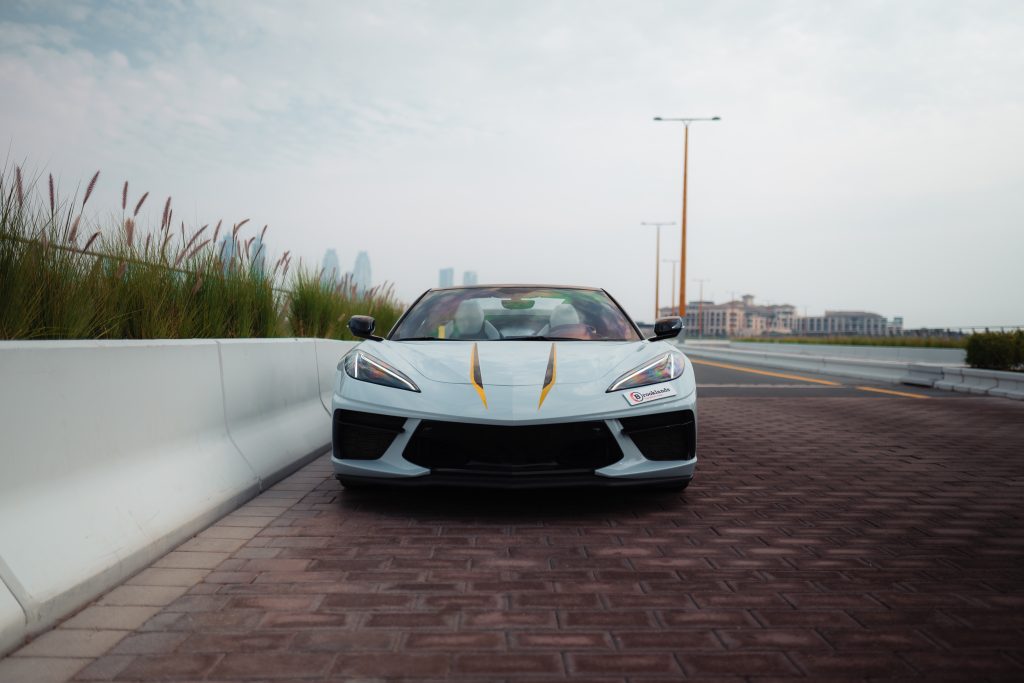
(362, 326)
(666, 328)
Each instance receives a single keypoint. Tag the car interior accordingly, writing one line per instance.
(515, 313)
(473, 322)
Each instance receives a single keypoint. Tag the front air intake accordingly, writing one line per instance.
(363, 436)
(663, 436)
(558, 449)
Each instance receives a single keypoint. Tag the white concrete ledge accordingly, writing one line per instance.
(12, 617)
(857, 368)
(905, 354)
(113, 452)
(946, 377)
(986, 382)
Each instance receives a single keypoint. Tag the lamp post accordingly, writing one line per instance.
(673, 262)
(686, 121)
(657, 263)
(700, 309)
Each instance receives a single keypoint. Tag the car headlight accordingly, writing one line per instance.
(662, 369)
(366, 368)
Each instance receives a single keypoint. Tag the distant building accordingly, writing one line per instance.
(469, 278)
(226, 250)
(361, 273)
(447, 277)
(737, 318)
(849, 323)
(257, 255)
(330, 273)
(744, 318)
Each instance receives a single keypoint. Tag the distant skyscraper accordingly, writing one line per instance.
(226, 251)
(447, 278)
(331, 272)
(361, 273)
(258, 255)
(469, 277)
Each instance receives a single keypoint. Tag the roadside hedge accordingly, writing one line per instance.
(996, 350)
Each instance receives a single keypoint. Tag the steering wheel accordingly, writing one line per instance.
(580, 331)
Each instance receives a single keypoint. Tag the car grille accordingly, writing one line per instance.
(663, 436)
(568, 448)
(363, 436)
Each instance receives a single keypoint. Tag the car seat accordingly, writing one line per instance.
(562, 314)
(469, 323)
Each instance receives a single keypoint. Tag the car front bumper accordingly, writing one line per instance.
(611, 452)
(582, 435)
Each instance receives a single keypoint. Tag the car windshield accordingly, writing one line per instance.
(516, 314)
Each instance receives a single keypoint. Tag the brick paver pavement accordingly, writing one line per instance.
(824, 539)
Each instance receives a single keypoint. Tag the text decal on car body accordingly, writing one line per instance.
(549, 376)
(475, 375)
(637, 397)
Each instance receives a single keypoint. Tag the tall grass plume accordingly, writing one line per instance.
(129, 282)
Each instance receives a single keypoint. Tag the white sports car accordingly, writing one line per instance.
(513, 386)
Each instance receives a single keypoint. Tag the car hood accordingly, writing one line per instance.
(515, 363)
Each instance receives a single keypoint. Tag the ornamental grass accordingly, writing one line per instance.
(65, 274)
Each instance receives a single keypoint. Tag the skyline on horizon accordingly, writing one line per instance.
(867, 156)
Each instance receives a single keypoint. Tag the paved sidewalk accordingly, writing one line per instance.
(823, 539)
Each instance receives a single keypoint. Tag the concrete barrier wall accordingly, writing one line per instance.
(906, 354)
(279, 378)
(884, 371)
(328, 355)
(114, 452)
(949, 378)
(12, 617)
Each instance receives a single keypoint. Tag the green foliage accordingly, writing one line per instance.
(318, 308)
(922, 342)
(996, 350)
(61, 277)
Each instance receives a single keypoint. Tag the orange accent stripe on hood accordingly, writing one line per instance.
(549, 376)
(475, 375)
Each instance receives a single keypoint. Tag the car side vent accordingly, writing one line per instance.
(663, 436)
(363, 436)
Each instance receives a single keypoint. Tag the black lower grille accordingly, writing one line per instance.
(663, 436)
(570, 448)
(363, 436)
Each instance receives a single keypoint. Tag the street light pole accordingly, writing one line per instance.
(657, 263)
(673, 262)
(686, 121)
(700, 309)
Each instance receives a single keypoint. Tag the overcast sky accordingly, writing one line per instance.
(870, 154)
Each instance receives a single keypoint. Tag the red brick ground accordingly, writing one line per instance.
(823, 539)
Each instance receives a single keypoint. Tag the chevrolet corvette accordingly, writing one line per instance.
(515, 386)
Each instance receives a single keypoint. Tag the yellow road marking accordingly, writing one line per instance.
(893, 393)
(799, 378)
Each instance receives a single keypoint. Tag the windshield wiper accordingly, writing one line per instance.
(541, 338)
(422, 339)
